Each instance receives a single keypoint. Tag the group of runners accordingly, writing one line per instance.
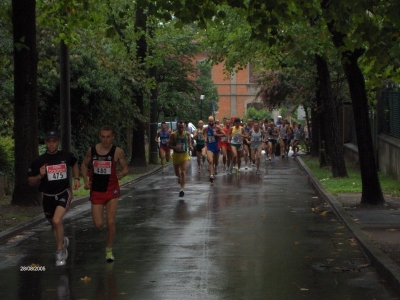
(233, 139)
(50, 171)
(99, 171)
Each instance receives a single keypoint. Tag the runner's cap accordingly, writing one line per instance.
(51, 134)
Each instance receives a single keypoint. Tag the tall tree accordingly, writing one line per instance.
(371, 189)
(138, 157)
(25, 98)
(330, 118)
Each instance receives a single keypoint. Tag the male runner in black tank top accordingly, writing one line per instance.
(103, 182)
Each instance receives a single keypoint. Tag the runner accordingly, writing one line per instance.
(246, 147)
(283, 137)
(200, 144)
(165, 152)
(256, 140)
(279, 121)
(298, 136)
(226, 146)
(213, 133)
(290, 136)
(102, 180)
(49, 171)
(180, 142)
(272, 135)
(236, 135)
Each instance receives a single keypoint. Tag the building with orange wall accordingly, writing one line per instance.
(236, 94)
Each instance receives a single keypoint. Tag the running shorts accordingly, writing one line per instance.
(50, 202)
(239, 147)
(179, 157)
(199, 147)
(104, 197)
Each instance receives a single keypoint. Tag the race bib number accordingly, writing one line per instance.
(224, 139)
(102, 167)
(181, 147)
(256, 139)
(211, 139)
(200, 137)
(56, 172)
(164, 141)
(236, 139)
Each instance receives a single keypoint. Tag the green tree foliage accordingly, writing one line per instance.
(254, 114)
(6, 71)
(6, 153)
(100, 91)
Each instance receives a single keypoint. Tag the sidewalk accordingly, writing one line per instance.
(376, 228)
(76, 203)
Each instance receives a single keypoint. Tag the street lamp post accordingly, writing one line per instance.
(201, 106)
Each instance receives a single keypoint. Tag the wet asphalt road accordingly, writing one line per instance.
(245, 237)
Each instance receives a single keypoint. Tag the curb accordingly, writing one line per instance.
(385, 266)
(7, 234)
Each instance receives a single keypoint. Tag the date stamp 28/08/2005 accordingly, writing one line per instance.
(32, 267)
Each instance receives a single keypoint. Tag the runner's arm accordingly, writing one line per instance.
(84, 169)
(190, 141)
(171, 141)
(35, 180)
(75, 170)
(120, 158)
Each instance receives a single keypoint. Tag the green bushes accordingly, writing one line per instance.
(6, 153)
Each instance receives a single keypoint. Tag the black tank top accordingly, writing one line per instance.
(103, 166)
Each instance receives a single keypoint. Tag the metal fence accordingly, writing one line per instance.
(389, 113)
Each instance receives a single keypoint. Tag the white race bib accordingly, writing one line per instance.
(211, 139)
(181, 147)
(102, 167)
(56, 172)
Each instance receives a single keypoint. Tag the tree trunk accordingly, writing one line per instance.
(331, 133)
(314, 134)
(371, 188)
(138, 158)
(153, 147)
(25, 99)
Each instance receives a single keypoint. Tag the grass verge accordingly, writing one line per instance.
(351, 184)
(13, 215)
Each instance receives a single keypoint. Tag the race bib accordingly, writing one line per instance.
(200, 137)
(211, 139)
(224, 138)
(102, 167)
(164, 141)
(181, 147)
(256, 139)
(236, 139)
(56, 172)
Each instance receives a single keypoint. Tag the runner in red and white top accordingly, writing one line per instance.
(103, 182)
